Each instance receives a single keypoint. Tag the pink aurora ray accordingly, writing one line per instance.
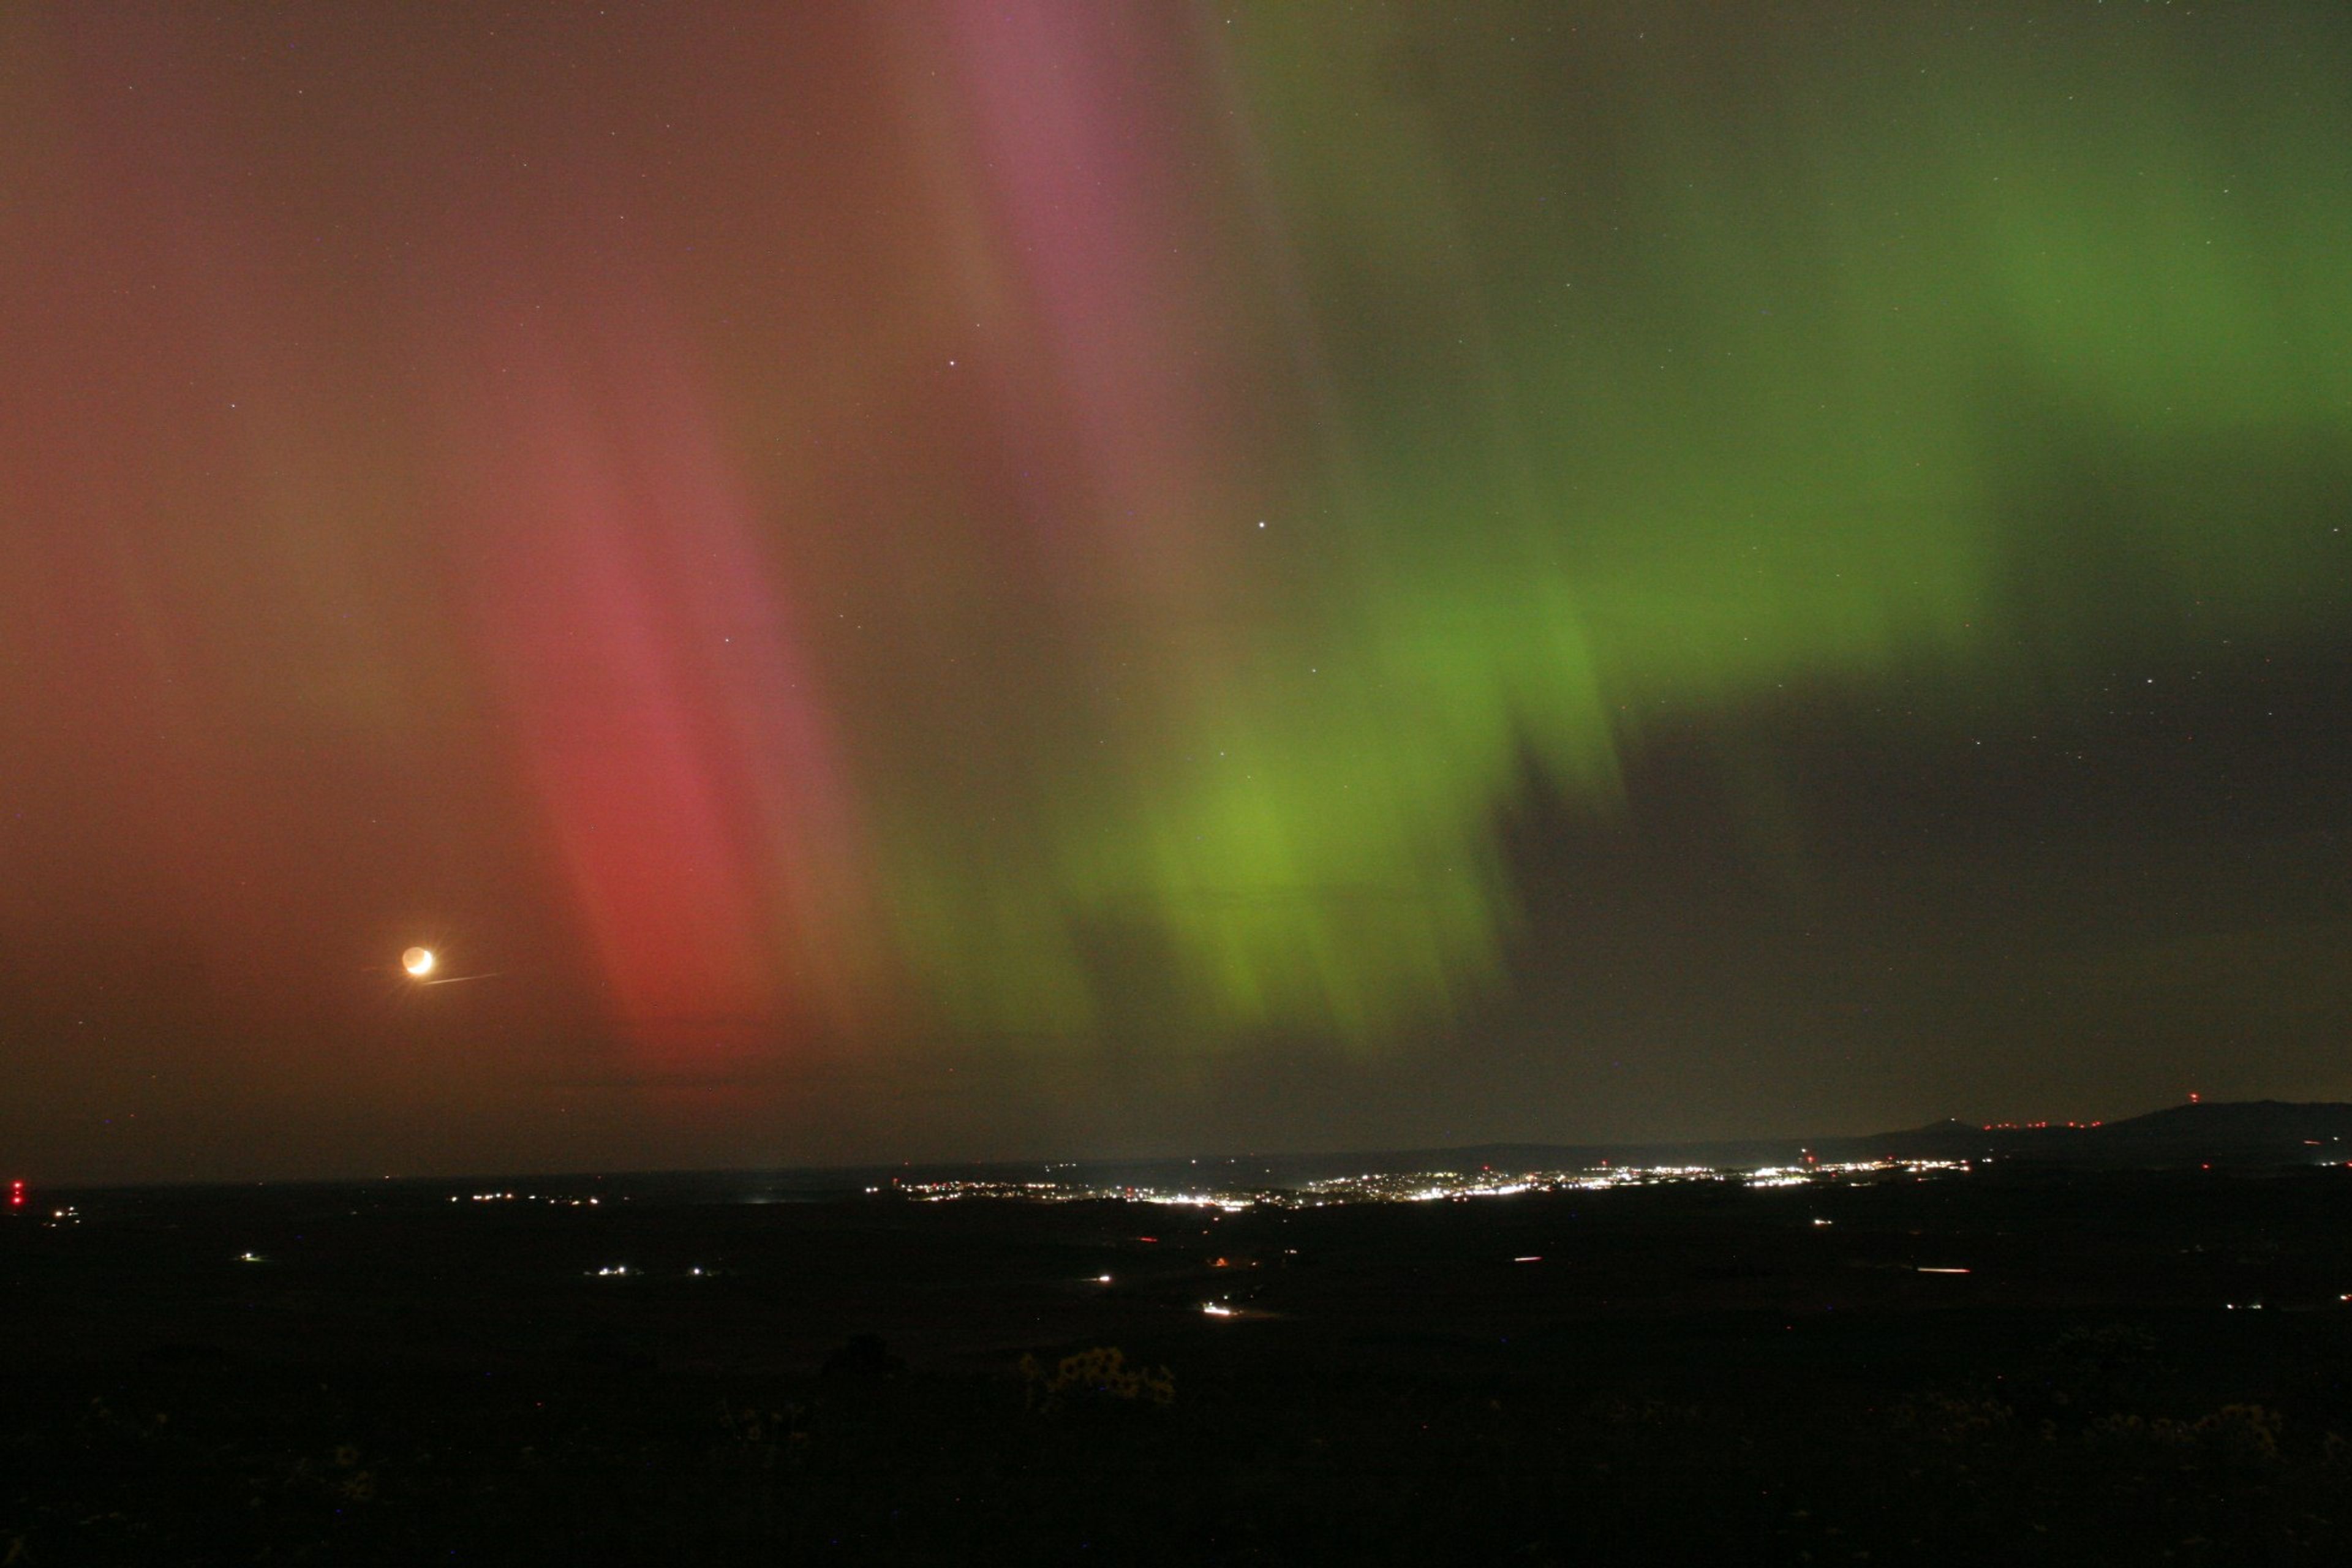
(643, 651)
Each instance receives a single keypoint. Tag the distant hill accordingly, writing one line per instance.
(2260, 1134)
(2243, 1134)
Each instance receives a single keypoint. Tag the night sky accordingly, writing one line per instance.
(1050, 577)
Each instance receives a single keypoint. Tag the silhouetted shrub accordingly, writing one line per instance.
(1101, 1374)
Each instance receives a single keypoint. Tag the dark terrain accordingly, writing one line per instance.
(1690, 1372)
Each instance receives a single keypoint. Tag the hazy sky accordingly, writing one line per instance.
(1050, 576)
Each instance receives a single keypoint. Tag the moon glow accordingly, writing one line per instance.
(417, 960)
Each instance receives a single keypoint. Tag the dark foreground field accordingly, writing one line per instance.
(1688, 1374)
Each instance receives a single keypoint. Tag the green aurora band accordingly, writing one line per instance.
(1651, 363)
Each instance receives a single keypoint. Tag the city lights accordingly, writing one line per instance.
(1431, 1186)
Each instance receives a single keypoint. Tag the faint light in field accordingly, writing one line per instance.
(1923, 1268)
(1825, 1222)
(1537, 1258)
(1102, 1278)
(248, 1258)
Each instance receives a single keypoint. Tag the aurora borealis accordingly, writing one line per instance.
(1025, 577)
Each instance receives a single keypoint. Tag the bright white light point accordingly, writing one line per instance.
(1216, 1309)
(417, 960)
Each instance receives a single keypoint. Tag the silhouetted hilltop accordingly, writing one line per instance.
(2262, 1132)
(2246, 1132)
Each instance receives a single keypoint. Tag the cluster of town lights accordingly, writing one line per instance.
(1429, 1186)
(566, 1203)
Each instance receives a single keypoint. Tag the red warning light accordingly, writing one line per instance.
(16, 1195)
